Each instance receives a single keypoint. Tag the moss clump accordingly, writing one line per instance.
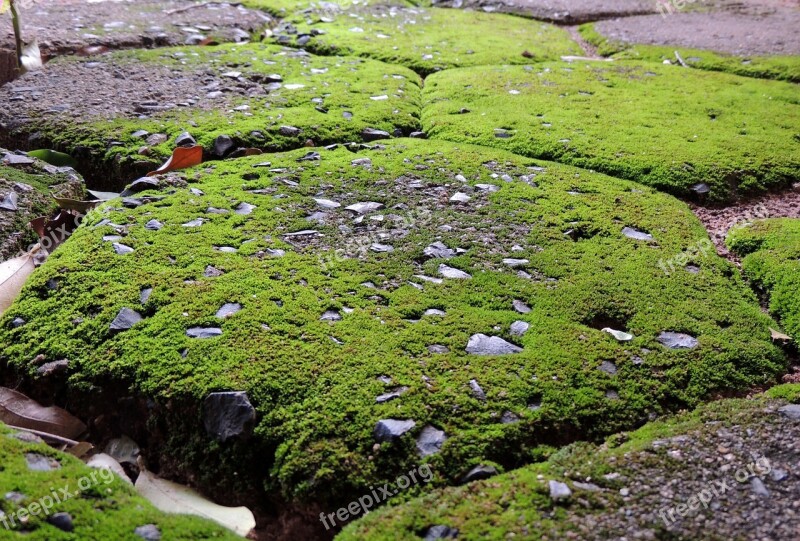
(771, 252)
(664, 126)
(288, 8)
(431, 40)
(783, 68)
(518, 504)
(259, 95)
(32, 185)
(101, 505)
(335, 317)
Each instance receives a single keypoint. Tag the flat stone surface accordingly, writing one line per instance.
(738, 34)
(561, 11)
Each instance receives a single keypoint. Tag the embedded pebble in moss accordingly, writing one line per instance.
(559, 491)
(228, 309)
(153, 225)
(126, 318)
(148, 532)
(451, 272)
(430, 441)
(481, 344)
(676, 340)
(365, 208)
(479, 472)
(391, 429)
(521, 307)
(228, 415)
(635, 234)
(438, 250)
(477, 390)
(204, 332)
(37, 462)
(62, 521)
(331, 315)
(386, 397)
(518, 328)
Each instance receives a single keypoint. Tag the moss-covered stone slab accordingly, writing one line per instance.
(430, 40)
(48, 495)
(258, 95)
(715, 473)
(771, 260)
(559, 11)
(741, 43)
(683, 131)
(25, 188)
(361, 294)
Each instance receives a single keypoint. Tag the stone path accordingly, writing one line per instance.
(347, 287)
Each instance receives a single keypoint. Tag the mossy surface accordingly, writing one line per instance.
(248, 92)
(664, 126)
(517, 504)
(101, 505)
(314, 382)
(784, 68)
(289, 8)
(771, 260)
(430, 40)
(33, 185)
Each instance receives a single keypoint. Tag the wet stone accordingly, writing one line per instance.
(62, 521)
(479, 472)
(153, 225)
(387, 430)
(203, 332)
(126, 318)
(365, 207)
(477, 391)
(430, 441)
(185, 140)
(481, 344)
(37, 462)
(148, 532)
(17, 322)
(521, 307)
(509, 418)
(121, 249)
(608, 367)
(438, 349)
(675, 340)
(228, 415)
(451, 272)
(244, 209)
(518, 328)
(212, 272)
(791, 411)
(371, 134)
(228, 309)
(440, 531)
(53, 368)
(386, 397)
(9, 201)
(438, 250)
(559, 491)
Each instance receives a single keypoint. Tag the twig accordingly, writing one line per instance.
(17, 33)
(678, 56)
(46, 435)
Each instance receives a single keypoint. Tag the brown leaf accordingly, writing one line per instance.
(13, 274)
(80, 450)
(182, 157)
(779, 336)
(19, 410)
(38, 225)
(81, 207)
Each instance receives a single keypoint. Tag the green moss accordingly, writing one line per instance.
(771, 261)
(349, 95)
(288, 8)
(314, 383)
(430, 40)
(517, 504)
(34, 201)
(788, 391)
(101, 505)
(664, 126)
(784, 68)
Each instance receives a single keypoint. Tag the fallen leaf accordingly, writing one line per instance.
(13, 274)
(174, 498)
(622, 336)
(80, 450)
(779, 336)
(54, 231)
(106, 462)
(19, 410)
(103, 196)
(81, 207)
(182, 157)
(31, 57)
(37, 224)
(59, 159)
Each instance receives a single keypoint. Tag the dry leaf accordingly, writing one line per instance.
(182, 157)
(19, 410)
(80, 450)
(174, 498)
(31, 57)
(779, 336)
(106, 462)
(103, 196)
(13, 274)
(81, 207)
